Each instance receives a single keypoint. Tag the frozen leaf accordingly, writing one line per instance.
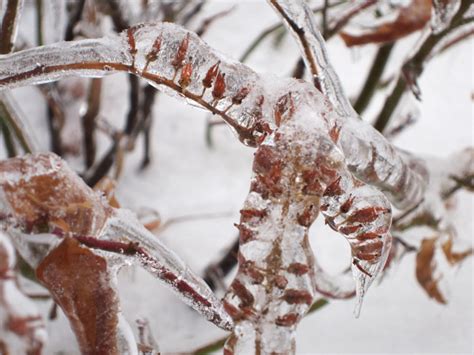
(410, 19)
(106, 186)
(452, 256)
(81, 284)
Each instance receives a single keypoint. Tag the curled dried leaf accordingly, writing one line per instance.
(452, 256)
(425, 268)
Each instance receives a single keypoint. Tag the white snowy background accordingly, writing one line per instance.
(186, 177)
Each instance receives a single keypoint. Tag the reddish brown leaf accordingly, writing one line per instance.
(178, 60)
(80, 284)
(219, 86)
(107, 186)
(410, 19)
(425, 267)
(210, 75)
(186, 73)
(240, 96)
(287, 320)
(452, 256)
(366, 215)
(48, 194)
(293, 296)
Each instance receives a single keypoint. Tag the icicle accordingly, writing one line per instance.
(362, 215)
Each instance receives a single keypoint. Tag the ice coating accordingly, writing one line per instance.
(58, 60)
(299, 19)
(167, 266)
(363, 146)
(42, 200)
(179, 63)
(294, 178)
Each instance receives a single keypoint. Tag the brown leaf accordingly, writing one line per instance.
(425, 267)
(80, 284)
(455, 257)
(410, 19)
(107, 186)
(43, 192)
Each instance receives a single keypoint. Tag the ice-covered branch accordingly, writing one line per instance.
(299, 19)
(40, 194)
(179, 63)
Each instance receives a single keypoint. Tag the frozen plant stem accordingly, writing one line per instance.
(74, 19)
(9, 24)
(373, 78)
(89, 121)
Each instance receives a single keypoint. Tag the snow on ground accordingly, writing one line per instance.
(187, 177)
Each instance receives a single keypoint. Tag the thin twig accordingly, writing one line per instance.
(193, 217)
(9, 24)
(7, 137)
(373, 78)
(149, 95)
(215, 273)
(324, 18)
(89, 120)
(206, 23)
(342, 20)
(103, 167)
(11, 115)
(74, 19)
(39, 23)
(265, 33)
(193, 12)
